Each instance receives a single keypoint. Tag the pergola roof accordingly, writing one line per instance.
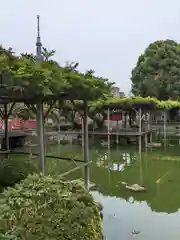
(136, 102)
(32, 99)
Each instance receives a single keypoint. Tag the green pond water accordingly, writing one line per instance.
(154, 214)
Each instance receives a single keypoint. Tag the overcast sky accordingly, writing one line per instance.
(104, 35)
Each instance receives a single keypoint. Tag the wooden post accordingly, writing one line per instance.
(40, 133)
(150, 128)
(108, 128)
(117, 135)
(148, 131)
(6, 134)
(86, 145)
(82, 136)
(165, 133)
(59, 125)
(141, 170)
(59, 136)
(140, 129)
(146, 139)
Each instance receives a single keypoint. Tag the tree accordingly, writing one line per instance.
(157, 73)
(23, 76)
(47, 54)
(22, 112)
(29, 56)
(98, 115)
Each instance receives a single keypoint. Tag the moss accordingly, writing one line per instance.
(42, 207)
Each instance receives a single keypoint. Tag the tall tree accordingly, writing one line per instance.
(29, 56)
(47, 54)
(157, 73)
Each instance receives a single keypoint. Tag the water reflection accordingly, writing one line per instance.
(154, 213)
(112, 167)
(161, 178)
(118, 163)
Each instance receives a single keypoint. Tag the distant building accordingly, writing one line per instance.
(116, 92)
(122, 94)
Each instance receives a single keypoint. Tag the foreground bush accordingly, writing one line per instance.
(14, 170)
(49, 208)
(8, 236)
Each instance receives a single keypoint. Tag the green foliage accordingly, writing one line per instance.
(14, 170)
(98, 116)
(135, 102)
(47, 54)
(157, 71)
(22, 76)
(23, 112)
(8, 236)
(42, 207)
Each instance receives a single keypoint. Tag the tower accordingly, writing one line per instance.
(38, 42)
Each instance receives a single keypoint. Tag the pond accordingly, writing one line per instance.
(153, 214)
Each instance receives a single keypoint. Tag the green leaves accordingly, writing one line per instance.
(135, 102)
(42, 207)
(157, 71)
(26, 77)
(14, 170)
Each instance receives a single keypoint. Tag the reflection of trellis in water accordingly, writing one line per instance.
(128, 158)
(30, 145)
(102, 160)
(105, 161)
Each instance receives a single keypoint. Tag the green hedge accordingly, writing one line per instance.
(14, 170)
(42, 207)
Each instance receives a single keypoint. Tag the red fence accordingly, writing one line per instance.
(116, 117)
(16, 123)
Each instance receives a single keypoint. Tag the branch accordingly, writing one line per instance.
(49, 109)
(2, 113)
(11, 109)
(32, 108)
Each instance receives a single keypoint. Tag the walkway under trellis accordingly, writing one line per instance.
(36, 105)
(143, 115)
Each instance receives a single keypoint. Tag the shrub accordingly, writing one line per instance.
(14, 170)
(42, 207)
(8, 236)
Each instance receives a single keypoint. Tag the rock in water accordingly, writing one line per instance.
(136, 188)
(135, 232)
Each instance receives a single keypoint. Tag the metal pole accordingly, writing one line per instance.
(86, 145)
(108, 128)
(140, 129)
(6, 135)
(40, 133)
